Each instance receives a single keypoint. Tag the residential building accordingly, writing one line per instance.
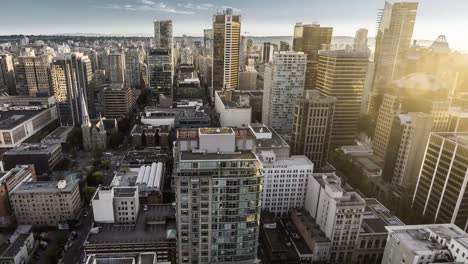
(116, 66)
(18, 123)
(234, 110)
(9, 180)
(32, 74)
(393, 40)
(163, 34)
(405, 152)
(7, 74)
(46, 203)
(284, 83)
(226, 50)
(414, 244)
(118, 100)
(312, 127)
(347, 87)
(337, 212)
(440, 194)
(217, 180)
(44, 157)
(314, 37)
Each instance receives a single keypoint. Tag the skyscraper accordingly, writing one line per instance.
(218, 186)
(163, 34)
(313, 38)
(297, 38)
(267, 51)
(408, 139)
(413, 93)
(70, 73)
(134, 60)
(441, 195)
(161, 71)
(226, 48)
(392, 44)
(312, 127)
(116, 66)
(341, 74)
(360, 39)
(208, 41)
(7, 74)
(33, 75)
(284, 84)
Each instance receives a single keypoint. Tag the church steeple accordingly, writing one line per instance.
(84, 113)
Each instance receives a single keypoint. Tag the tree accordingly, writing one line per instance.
(74, 140)
(98, 154)
(116, 139)
(124, 124)
(89, 192)
(95, 178)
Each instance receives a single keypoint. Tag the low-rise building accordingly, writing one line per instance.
(153, 231)
(44, 157)
(17, 247)
(414, 244)
(9, 181)
(128, 258)
(118, 205)
(149, 136)
(18, 123)
(234, 110)
(46, 203)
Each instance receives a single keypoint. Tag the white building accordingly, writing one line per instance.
(283, 84)
(116, 205)
(415, 244)
(233, 112)
(337, 212)
(284, 182)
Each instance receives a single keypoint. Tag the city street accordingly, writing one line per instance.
(75, 253)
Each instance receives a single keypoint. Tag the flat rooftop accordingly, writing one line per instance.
(12, 118)
(297, 160)
(216, 131)
(243, 155)
(140, 157)
(28, 149)
(60, 134)
(157, 224)
(460, 138)
(44, 187)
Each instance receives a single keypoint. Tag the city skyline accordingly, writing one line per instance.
(134, 17)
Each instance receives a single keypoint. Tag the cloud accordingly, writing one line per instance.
(147, 5)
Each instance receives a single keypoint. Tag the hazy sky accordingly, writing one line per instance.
(260, 17)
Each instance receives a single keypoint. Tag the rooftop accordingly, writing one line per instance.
(45, 187)
(417, 237)
(460, 138)
(28, 149)
(157, 224)
(376, 217)
(245, 155)
(11, 243)
(58, 135)
(12, 118)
